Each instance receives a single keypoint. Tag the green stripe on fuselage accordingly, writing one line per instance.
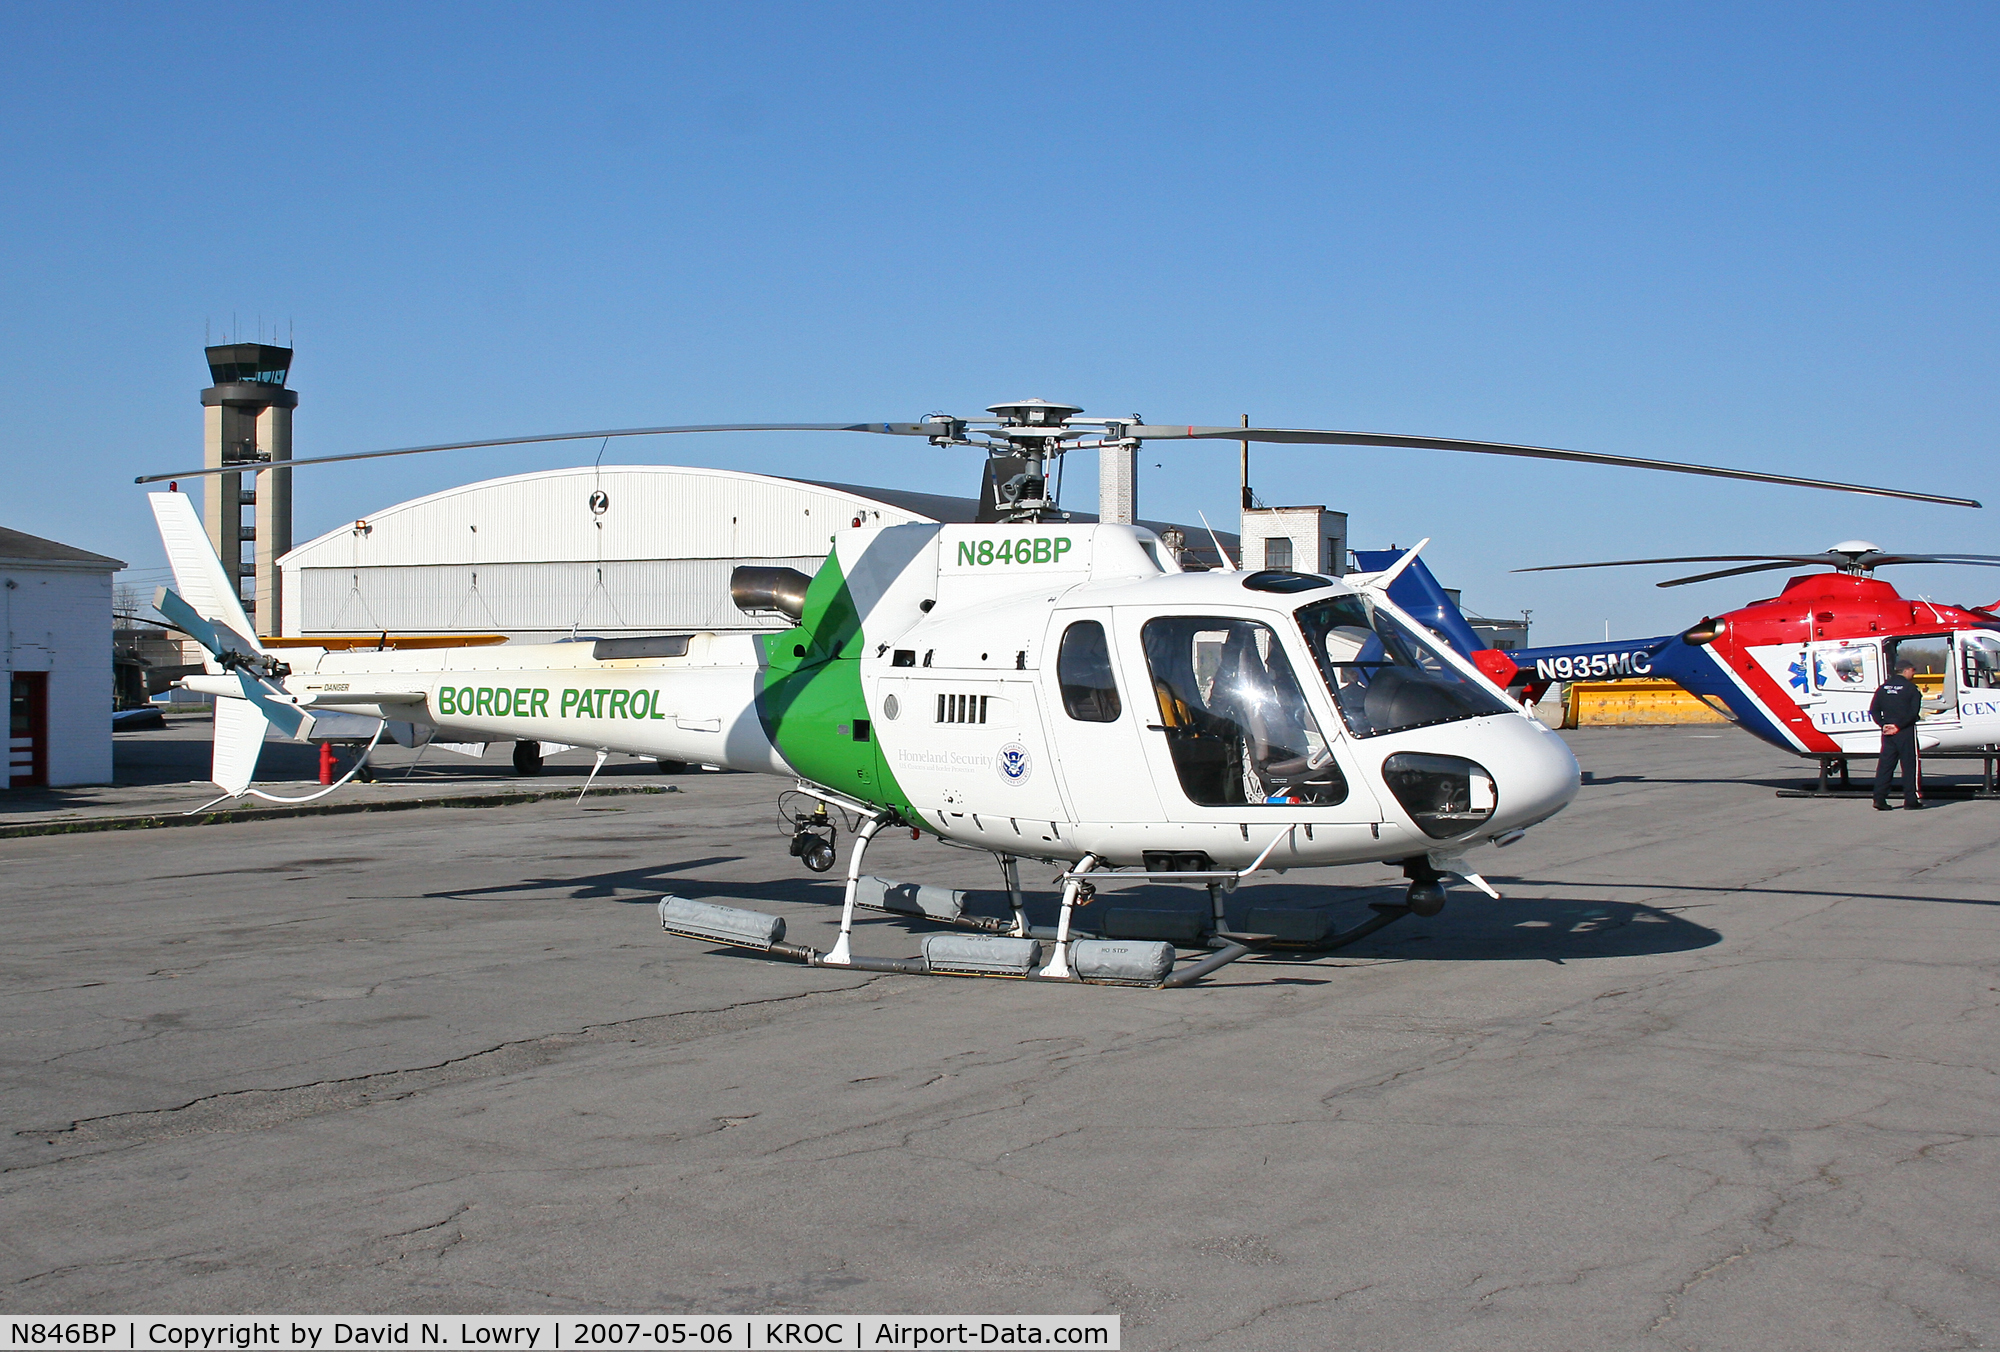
(809, 696)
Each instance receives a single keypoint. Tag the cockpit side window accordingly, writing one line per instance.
(1083, 671)
(1235, 719)
(1385, 676)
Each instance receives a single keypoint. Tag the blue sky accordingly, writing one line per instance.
(1759, 236)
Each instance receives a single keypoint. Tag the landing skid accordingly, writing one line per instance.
(1013, 949)
(1824, 787)
(1089, 960)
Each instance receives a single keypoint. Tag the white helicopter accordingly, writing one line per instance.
(1025, 686)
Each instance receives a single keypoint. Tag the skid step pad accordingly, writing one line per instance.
(979, 955)
(1121, 962)
(918, 899)
(721, 924)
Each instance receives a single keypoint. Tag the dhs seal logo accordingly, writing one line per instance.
(1013, 763)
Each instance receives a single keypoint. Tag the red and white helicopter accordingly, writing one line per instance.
(1799, 669)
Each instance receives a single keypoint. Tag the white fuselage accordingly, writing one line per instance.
(977, 728)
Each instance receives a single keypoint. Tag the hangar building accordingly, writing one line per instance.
(55, 604)
(621, 549)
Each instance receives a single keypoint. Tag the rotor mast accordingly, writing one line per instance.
(1023, 441)
(1031, 431)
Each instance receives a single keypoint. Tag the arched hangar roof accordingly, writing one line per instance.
(648, 512)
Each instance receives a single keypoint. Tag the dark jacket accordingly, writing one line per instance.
(1897, 700)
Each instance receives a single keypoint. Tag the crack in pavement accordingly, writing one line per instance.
(263, 1109)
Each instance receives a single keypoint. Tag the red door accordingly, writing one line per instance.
(28, 731)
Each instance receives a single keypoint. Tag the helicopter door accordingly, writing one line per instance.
(1932, 654)
(1229, 726)
(1094, 726)
(1979, 681)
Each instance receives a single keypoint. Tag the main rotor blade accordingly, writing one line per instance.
(1727, 572)
(1969, 561)
(1829, 558)
(249, 467)
(1689, 558)
(1319, 438)
(1302, 436)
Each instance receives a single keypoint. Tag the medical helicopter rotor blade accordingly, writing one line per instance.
(1779, 559)
(1311, 437)
(252, 466)
(1764, 563)
(1866, 564)
(1727, 572)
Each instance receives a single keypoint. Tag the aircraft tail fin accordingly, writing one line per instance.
(198, 575)
(242, 675)
(1418, 592)
(239, 739)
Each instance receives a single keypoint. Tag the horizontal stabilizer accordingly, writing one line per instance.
(344, 697)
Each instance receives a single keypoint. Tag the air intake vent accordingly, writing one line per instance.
(961, 708)
(653, 645)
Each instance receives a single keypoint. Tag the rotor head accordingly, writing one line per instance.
(1856, 556)
(1031, 432)
(1033, 413)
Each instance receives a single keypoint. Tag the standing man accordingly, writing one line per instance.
(1895, 706)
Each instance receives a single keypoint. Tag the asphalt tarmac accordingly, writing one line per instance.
(1718, 1073)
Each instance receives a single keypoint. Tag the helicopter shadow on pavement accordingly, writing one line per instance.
(1471, 928)
(1475, 929)
(651, 881)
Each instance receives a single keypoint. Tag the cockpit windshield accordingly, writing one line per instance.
(1384, 675)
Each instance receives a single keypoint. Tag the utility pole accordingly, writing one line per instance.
(1245, 444)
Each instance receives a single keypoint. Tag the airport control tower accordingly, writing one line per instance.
(249, 423)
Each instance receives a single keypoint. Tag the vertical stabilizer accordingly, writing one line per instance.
(239, 740)
(198, 574)
(1416, 591)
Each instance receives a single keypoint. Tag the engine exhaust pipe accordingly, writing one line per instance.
(1707, 631)
(780, 589)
